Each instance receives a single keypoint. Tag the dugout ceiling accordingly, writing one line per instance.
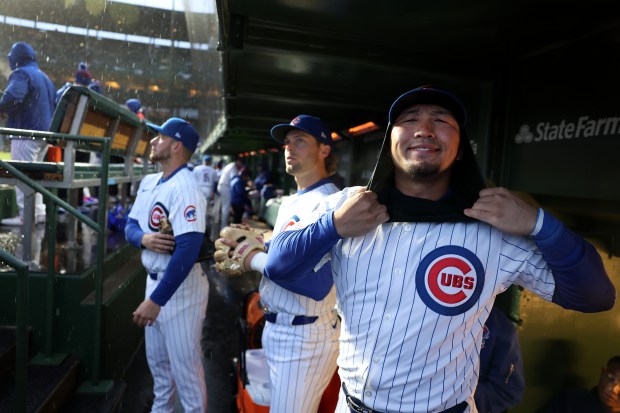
(346, 60)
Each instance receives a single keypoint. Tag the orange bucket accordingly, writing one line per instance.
(54, 154)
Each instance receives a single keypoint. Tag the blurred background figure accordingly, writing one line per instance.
(135, 106)
(95, 86)
(239, 199)
(223, 188)
(603, 398)
(501, 382)
(206, 177)
(28, 102)
(82, 77)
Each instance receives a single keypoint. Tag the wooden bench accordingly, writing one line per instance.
(82, 111)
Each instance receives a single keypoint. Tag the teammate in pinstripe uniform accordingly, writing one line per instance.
(301, 336)
(206, 177)
(176, 288)
(418, 261)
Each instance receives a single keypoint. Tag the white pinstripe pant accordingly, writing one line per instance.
(32, 150)
(302, 361)
(173, 346)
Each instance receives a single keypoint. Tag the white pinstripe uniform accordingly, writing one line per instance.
(205, 175)
(302, 358)
(412, 322)
(223, 188)
(173, 342)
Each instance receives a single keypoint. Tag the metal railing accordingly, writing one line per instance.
(98, 227)
(21, 328)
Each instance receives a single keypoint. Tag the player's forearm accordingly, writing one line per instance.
(182, 260)
(582, 284)
(296, 252)
(133, 233)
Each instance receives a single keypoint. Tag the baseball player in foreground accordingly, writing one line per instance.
(418, 260)
(300, 339)
(176, 288)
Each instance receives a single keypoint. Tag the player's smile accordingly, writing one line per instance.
(425, 138)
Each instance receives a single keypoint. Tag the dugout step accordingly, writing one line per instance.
(48, 387)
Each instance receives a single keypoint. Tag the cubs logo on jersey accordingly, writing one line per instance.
(449, 280)
(158, 212)
(190, 213)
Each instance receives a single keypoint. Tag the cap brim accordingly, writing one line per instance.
(428, 96)
(278, 132)
(156, 127)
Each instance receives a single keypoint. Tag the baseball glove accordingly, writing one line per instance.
(229, 260)
(165, 227)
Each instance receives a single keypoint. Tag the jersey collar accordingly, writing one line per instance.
(321, 182)
(163, 180)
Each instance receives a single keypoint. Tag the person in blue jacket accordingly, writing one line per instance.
(28, 102)
(239, 197)
(501, 382)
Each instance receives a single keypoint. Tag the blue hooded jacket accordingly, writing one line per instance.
(28, 99)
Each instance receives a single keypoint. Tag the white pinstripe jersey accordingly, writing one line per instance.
(205, 175)
(179, 199)
(414, 298)
(295, 208)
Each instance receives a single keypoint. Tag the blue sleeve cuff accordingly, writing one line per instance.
(133, 233)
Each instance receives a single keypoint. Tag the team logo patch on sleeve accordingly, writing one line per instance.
(190, 213)
(450, 279)
(158, 212)
(292, 223)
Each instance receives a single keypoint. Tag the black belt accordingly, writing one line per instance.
(298, 320)
(356, 406)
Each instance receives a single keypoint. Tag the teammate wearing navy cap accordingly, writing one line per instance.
(301, 335)
(176, 288)
(416, 274)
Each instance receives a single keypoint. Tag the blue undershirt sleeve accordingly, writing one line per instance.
(295, 253)
(133, 233)
(582, 284)
(183, 259)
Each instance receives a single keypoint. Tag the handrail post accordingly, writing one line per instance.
(101, 217)
(21, 339)
(50, 228)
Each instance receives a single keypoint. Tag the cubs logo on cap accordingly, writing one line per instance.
(305, 123)
(449, 280)
(158, 212)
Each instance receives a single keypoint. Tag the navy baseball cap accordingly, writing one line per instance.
(134, 105)
(305, 123)
(180, 130)
(207, 158)
(429, 95)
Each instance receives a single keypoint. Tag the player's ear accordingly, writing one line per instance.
(324, 150)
